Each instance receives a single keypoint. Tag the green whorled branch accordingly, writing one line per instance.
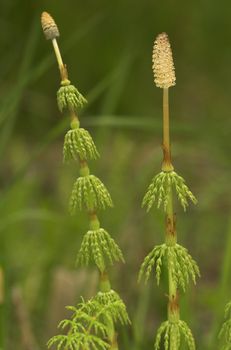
(89, 193)
(84, 330)
(158, 190)
(173, 333)
(69, 98)
(78, 144)
(176, 258)
(111, 297)
(79, 339)
(87, 328)
(105, 298)
(99, 247)
(225, 332)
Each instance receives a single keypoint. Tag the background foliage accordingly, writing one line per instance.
(107, 47)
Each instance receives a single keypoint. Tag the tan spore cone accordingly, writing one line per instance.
(163, 66)
(49, 26)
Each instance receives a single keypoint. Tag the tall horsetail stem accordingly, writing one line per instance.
(92, 324)
(180, 265)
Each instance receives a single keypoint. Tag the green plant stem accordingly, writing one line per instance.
(170, 227)
(62, 67)
(166, 136)
(171, 239)
(167, 163)
(105, 287)
(57, 54)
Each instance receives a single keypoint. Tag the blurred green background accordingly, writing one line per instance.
(107, 47)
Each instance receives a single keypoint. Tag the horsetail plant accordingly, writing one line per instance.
(92, 325)
(180, 265)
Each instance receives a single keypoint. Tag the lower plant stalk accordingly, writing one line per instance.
(171, 239)
(171, 235)
(104, 287)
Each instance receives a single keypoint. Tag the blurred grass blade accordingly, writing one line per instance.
(9, 109)
(223, 290)
(25, 215)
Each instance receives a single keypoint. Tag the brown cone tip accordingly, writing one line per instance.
(49, 26)
(163, 66)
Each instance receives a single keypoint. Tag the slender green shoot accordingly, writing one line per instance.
(92, 325)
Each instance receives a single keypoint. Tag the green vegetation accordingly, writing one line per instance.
(107, 48)
(87, 327)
